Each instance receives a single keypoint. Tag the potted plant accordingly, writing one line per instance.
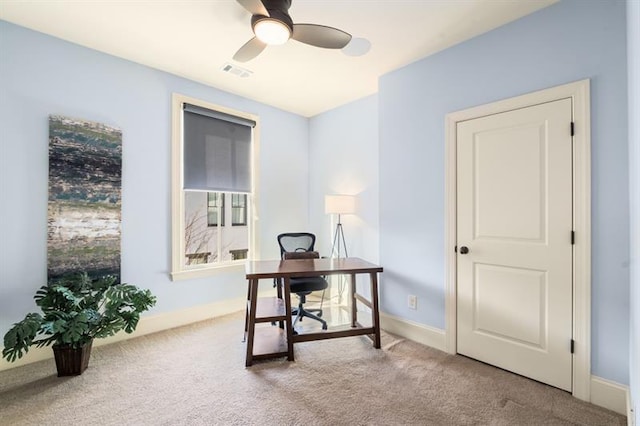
(76, 310)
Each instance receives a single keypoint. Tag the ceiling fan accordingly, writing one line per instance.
(272, 24)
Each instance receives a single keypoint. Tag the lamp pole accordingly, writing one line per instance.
(339, 204)
(337, 237)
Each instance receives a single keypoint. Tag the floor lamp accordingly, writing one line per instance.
(339, 204)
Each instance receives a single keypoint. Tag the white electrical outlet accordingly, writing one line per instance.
(412, 301)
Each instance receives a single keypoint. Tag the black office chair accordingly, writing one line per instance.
(300, 245)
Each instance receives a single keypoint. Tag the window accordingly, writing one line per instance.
(213, 182)
(215, 208)
(238, 209)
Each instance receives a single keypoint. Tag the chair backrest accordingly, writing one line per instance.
(296, 242)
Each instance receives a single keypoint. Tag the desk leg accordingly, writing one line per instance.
(354, 303)
(287, 307)
(375, 314)
(278, 284)
(251, 326)
(246, 313)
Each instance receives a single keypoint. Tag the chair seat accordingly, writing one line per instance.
(304, 285)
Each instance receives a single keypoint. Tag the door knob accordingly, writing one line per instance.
(464, 250)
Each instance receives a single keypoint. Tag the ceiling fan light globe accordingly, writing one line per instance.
(271, 31)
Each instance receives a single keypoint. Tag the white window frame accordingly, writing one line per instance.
(219, 209)
(244, 207)
(180, 271)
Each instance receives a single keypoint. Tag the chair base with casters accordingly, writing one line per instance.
(300, 245)
(301, 312)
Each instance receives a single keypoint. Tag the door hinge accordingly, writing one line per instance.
(455, 249)
(573, 129)
(573, 237)
(573, 346)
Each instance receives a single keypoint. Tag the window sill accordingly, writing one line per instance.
(208, 270)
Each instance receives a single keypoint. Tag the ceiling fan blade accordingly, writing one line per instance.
(320, 36)
(250, 50)
(255, 7)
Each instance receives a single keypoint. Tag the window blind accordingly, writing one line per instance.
(217, 151)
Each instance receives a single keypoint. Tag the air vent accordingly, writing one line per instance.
(236, 70)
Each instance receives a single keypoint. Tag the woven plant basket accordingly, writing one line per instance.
(72, 361)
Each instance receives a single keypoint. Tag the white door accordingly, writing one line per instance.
(514, 224)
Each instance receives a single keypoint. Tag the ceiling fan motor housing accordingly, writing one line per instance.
(282, 5)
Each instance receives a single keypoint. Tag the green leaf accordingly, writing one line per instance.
(67, 294)
(45, 342)
(18, 339)
(47, 327)
(131, 321)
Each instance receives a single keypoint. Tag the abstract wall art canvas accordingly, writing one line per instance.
(85, 170)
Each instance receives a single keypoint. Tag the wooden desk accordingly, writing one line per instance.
(273, 342)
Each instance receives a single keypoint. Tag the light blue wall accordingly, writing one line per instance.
(41, 75)
(569, 41)
(633, 60)
(343, 159)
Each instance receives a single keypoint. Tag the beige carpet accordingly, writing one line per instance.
(195, 375)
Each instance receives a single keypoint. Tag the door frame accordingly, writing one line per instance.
(581, 176)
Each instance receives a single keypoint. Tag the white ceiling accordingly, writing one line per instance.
(195, 38)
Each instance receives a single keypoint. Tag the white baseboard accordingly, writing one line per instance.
(604, 393)
(610, 395)
(147, 325)
(417, 332)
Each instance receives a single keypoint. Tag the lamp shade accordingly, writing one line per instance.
(339, 204)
